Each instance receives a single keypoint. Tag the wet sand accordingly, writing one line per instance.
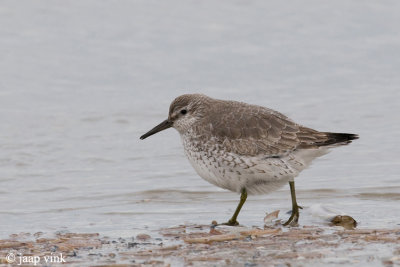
(205, 245)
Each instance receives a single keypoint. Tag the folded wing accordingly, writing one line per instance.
(254, 130)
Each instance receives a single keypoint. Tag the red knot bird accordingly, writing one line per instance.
(246, 148)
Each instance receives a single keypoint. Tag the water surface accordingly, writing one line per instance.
(81, 81)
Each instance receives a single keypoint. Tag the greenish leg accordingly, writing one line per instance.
(233, 221)
(294, 218)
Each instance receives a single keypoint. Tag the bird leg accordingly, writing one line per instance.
(233, 221)
(294, 218)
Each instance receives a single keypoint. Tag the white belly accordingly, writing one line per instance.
(259, 175)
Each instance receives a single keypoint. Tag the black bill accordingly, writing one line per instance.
(162, 126)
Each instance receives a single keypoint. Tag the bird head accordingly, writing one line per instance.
(183, 114)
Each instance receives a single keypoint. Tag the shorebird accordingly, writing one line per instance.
(246, 148)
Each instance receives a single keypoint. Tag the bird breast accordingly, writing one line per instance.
(258, 174)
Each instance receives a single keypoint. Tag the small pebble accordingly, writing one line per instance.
(38, 234)
(345, 221)
(132, 244)
(143, 237)
(72, 254)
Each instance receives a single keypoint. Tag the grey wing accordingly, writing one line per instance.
(253, 130)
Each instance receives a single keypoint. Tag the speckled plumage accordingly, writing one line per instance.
(235, 145)
(243, 147)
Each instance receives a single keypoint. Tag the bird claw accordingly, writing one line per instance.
(231, 223)
(293, 220)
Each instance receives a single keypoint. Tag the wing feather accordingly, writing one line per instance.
(253, 130)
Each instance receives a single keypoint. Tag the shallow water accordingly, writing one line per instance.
(81, 81)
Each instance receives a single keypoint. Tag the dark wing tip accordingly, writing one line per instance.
(339, 138)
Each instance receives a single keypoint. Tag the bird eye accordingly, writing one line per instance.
(183, 111)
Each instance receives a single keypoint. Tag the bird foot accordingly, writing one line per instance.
(231, 223)
(293, 220)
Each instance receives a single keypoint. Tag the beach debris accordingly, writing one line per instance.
(213, 231)
(143, 237)
(214, 238)
(347, 222)
(232, 236)
(270, 218)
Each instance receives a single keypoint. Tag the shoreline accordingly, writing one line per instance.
(202, 245)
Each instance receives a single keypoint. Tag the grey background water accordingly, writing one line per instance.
(82, 80)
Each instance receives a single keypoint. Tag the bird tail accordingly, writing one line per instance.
(338, 139)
